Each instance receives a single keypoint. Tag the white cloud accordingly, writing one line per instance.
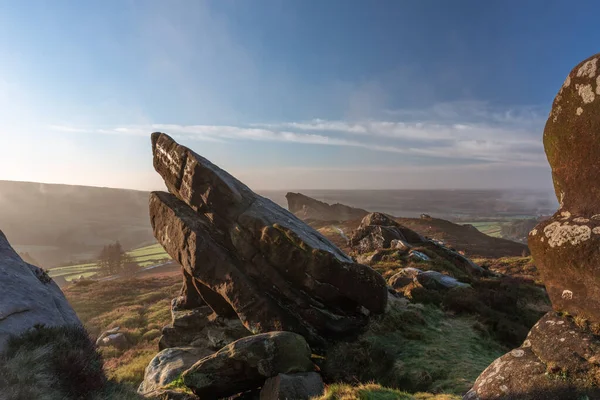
(469, 132)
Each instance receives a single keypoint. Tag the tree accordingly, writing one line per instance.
(114, 260)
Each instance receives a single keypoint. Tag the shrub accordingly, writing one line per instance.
(55, 363)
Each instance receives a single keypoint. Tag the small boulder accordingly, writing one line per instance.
(114, 338)
(302, 386)
(246, 363)
(378, 231)
(434, 280)
(404, 277)
(167, 365)
(418, 255)
(400, 245)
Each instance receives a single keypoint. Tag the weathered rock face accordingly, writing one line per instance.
(565, 247)
(246, 363)
(306, 208)
(251, 258)
(28, 297)
(558, 360)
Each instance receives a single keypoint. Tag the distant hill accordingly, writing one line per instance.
(55, 224)
(65, 224)
(305, 207)
(464, 238)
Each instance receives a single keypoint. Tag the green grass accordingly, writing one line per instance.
(490, 228)
(415, 348)
(144, 256)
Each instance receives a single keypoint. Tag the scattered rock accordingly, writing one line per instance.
(400, 245)
(302, 386)
(307, 208)
(28, 297)
(404, 277)
(434, 280)
(114, 338)
(200, 327)
(251, 258)
(246, 363)
(418, 255)
(168, 365)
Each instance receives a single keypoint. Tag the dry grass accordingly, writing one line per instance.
(140, 307)
(373, 391)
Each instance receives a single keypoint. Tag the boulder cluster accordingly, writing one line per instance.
(379, 238)
(260, 287)
(560, 359)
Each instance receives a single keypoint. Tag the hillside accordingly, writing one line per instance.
(60, 223)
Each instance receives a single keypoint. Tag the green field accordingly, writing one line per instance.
(490, 228)
(144, 256)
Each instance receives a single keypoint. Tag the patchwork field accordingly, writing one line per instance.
(145, 256)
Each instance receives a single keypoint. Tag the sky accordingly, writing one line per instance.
(306, 94)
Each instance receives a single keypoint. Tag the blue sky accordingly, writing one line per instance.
(287, 94)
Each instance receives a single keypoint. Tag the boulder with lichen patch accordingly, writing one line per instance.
(558, 360)
(28, 297)
(251, 258)
(566, 247)
(246, 363)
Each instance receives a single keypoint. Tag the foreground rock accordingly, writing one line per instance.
(246, 363)
(433, 280)
(307, 208)
(251, 258)
(558, 360)
(28, 297)
(303, 386)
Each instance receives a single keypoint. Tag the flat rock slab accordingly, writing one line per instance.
(246, 363)
(28, 297)
(303, 386)
(251, 258)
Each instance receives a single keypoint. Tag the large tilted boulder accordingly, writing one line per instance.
(246, 363)
(251, 258)
(28, 297)
(561, 357)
